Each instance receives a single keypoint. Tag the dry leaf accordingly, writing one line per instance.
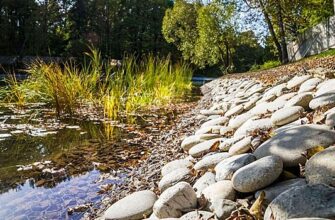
(256, 208)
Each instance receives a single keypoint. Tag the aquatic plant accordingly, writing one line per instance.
(69, 87)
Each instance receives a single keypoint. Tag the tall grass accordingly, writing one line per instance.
(135, 85)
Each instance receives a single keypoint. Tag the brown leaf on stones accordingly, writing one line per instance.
(257, 208)
(241, 214)
(215, 146)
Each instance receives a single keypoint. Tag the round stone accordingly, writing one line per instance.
(297, 80)
(225, 169)
(302, 99)
(134, 206)
(275, 190)
(320, 168)
(291, 143)
(198, 215)
(210, 161)
(235, 110)
(223, 208)
(241, 147)
(203, 182)
(204, 147)
(286, 115)
(309, 85)
(170, 179)
(303, 201)
(326, 99)
(219, 190)
(325, 87)
(174, 165)
(215, 129)
(175, 200)
(217, 121)
(258, 174)
(252, 125)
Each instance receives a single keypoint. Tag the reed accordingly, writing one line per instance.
(136, 85)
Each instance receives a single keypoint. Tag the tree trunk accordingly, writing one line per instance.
(271, 29)
(282, 34)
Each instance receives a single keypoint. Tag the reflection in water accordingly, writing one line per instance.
(28, 202)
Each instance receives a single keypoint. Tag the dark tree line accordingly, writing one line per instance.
(66, 27)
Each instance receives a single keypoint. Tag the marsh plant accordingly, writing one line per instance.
(70, 87)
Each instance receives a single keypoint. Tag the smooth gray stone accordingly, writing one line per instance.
(326, 99)
(219, 190)
(320, 168)
(252, 125)
(302, 99)
(174, 165)
(325, 87)
(291, 143)
(275, 190)
(175, 200)
(330, 119)
(309, 85)
(223, 208)
(243, 146)
(225, 169)
(203, 148)
(258, 174)
(234, 111)
(170, 179)
(210, 161)
(303, 201)
(217, 121)
(134, 206)
(201, 215)
(203, 182)
(215, 129)
(286, 115)
(297, 80)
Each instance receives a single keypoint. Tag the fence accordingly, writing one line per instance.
(313, 41)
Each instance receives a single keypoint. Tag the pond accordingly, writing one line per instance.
(48, 166)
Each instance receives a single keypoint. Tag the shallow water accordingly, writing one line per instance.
(25, 141)
(33, 135)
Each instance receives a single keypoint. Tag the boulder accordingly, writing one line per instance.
(175, 200)
(170, 179)
(134, 206)
(291, 143)
(286, 115)
(203, 182)
(174, 165)
(210, 161)
(258, 174)
(219, 190)
(325, 87)
(330, 118)
(225, 169)
(303, 201)
(320, 168)
(275, 190)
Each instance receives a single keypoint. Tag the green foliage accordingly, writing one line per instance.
(267, 65)
(70, 87)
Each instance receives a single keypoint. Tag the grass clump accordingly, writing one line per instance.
(71, 87)
(267, 65)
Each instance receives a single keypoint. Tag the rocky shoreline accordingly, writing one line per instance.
(249, 150)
